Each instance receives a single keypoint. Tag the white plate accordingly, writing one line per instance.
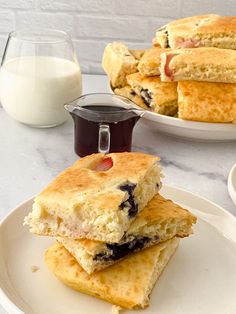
(202, 131)
(232, 184)
(200, 278)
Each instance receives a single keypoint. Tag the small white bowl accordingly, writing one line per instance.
(232, 184)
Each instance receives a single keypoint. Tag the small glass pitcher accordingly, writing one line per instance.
(103, 123)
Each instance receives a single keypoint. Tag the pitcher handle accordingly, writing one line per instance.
(104, 138)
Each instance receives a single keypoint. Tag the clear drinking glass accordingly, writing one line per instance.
(39, 74)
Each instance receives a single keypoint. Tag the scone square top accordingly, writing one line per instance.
(200, 28)
(91, 200)
(190, 26)
(157, 211)
(220, 25)
(185, 33)
(207, 102)
(82, 178)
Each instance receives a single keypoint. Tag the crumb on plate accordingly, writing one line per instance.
(34, 268)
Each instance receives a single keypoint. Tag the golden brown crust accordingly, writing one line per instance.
(128, 283)
(150, 62)
(222, 25)
(158, 210)
(162, 96)
(207, 102)
(81, 176)
(194, 19)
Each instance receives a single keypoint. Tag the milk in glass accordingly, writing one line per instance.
(33, 90)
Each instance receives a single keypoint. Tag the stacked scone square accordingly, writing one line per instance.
(196, 56)
(101, 211)
(96, 198)
(143, 84)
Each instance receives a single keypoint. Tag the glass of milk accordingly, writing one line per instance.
(39, 74)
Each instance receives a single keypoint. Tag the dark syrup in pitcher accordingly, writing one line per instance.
(86, 131)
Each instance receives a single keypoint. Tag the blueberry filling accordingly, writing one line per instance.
(128, 188)
(146, 96)
(167, 40)
(117, 251)
(130, 202)
(132, 93)
(164, 29)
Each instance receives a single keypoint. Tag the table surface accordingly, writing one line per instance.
(30, 158)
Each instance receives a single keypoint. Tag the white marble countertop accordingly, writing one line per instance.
(30, 158)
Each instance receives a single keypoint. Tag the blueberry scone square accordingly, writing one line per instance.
(159, 221)
(96, 198)
(160, 97)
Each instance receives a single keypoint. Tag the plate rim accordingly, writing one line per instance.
(189, 124)
(12, 308)
(231, 189)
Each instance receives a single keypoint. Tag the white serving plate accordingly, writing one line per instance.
(232, 184)
(200, 278)
(193, 130)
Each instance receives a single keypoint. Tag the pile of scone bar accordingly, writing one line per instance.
(189, 73)
(114, 232)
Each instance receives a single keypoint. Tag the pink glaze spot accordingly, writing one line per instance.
(168, 71)
(104, 165)
(188, 43)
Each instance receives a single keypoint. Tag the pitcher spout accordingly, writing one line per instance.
(139, 112)
(70, 107)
